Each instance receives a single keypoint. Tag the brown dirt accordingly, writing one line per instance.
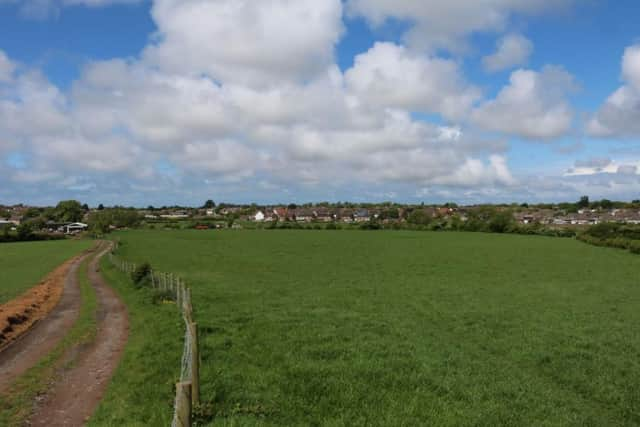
(19, 314)
(76, 394)
(45, 314)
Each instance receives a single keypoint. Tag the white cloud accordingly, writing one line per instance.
(534, 105)
(620, 114)
(7, 67)
(595, 166)
(446, 24)
(233, 97)
(631, 66)
(247, 42)
(390, 76)
(511, 50)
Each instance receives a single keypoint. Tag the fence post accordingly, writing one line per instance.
(183, 404)
(178, 293)
(195, 364)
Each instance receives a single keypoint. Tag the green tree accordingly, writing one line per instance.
(501, 222)
(583, 202)
(419, 217)
(32, 213)
(606, 204)
(25, 231)
(209, 204)
(69, 211)
(100, 207)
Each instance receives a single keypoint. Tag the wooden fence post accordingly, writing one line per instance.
(183, 404)
(195, 364)
(178, 294)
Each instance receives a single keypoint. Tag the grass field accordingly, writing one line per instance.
(407, 328)
(22, 265)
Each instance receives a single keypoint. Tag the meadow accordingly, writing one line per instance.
(338, 328)
(24, 264)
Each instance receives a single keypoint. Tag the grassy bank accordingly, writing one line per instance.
(23, 265)
(17, 402)
(407, 328)
(142, 389)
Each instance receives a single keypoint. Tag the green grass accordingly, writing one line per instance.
(17, 402)
(354, 328)
(23, 265)
(142, 389)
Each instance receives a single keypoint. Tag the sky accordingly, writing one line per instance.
(163, 102)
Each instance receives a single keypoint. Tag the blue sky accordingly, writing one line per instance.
(167, 101)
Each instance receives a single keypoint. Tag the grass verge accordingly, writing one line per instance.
(16, 403)
(142, 389)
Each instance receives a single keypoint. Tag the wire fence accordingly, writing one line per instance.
(188, 388)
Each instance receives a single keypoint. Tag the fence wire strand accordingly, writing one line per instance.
(172, 283)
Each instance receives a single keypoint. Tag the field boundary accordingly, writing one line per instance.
(188, 388)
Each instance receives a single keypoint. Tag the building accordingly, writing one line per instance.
(75, 227)
(259, 216)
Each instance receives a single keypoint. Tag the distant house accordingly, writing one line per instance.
(362, 215)
(259, 216)
(75, 227)
(175, 215)
(303, 215)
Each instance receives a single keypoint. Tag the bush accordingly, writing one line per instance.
(141, 275)
(370, 225)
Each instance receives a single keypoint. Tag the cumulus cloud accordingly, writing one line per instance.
(603, 165)
(620, 114)
(446, 24)
(234, 95)
(390, 76)
(533, 105)
(246, 42)
(511, 50)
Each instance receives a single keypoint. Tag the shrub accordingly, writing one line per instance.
(141, 274)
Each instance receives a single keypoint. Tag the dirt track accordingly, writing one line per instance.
(77, 391)
(49, 328)
(76, 394)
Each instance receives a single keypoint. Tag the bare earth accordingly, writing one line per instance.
(76, 394)
(47, 312)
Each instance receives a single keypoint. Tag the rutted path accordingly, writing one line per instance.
(45, 335)
(76, 394)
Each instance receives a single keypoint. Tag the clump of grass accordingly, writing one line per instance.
(141, 276)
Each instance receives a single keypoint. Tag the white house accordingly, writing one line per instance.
(75, 227)
(259, 216)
